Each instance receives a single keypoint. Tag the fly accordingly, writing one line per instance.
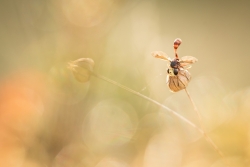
(178, 75)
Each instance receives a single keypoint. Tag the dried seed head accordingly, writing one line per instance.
(179, 81)
(177, 43)
(82, 69)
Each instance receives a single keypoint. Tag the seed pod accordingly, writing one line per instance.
(81, 69)
(179, 81)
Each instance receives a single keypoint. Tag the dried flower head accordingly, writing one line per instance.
(81, 69)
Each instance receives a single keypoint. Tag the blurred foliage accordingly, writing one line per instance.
(48, 118)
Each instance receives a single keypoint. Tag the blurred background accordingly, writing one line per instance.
(49, 119)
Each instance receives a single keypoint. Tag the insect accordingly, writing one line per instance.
(178, 76)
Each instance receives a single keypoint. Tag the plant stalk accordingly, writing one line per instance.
(208, 139)
(202, 127)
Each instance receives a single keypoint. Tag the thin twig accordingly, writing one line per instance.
(149, 99)
(209, 140)
(202, 127)
(195, 109)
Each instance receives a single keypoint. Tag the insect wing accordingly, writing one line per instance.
(186, 61)
(161, 55)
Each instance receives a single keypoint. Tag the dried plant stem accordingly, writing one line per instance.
(149, 99)
(163, 106)
(201, 130)
(202, 127)
(195, 109)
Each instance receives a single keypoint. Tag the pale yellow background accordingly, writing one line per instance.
(47, 118)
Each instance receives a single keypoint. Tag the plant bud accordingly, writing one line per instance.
(81, 69)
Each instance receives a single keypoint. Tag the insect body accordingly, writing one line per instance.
(174, 64)
(178, 76)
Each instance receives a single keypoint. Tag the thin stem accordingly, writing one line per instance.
(149, 99)
(209, 140)
(195, 109)
(72, 67)
(202, 127)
